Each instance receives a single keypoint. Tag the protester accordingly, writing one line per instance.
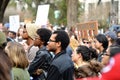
(19, 34)
(17, 55)
(11, 36)
(29, 33)
(91, 69)
(101, 43)
(61, 67)
(86, 42)
(111, 36)
(112, 70)
(81, 56)
(39, 66)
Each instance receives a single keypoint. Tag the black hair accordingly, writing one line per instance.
(85, 52)
(44, 34)
(4, 45)
(24, 26)
(94, 53)
(114, 49)
(14, 33)
(62, 37)
(102, 39)
(117, 41)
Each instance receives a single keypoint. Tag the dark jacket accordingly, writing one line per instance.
(61, 67)
(100, 56)
(41, 61)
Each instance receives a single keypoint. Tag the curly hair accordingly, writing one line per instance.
(87, 53)
(44, 34)
(92, 69)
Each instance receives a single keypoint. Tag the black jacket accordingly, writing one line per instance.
(61, 67)
(41, 61)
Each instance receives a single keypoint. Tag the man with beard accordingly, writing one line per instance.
(61, 67)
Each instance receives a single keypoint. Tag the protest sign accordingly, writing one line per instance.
(14, 22)
(88, 29)
(42, 14)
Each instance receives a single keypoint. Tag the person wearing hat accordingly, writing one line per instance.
(29, 33)
(112, 70)
(111, 36)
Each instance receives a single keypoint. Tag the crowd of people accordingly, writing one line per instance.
(37, 53)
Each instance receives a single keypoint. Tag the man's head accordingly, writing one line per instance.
(12, 34)
(58, 40)
(42, 37)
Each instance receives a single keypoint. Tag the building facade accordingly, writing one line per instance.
(106, 11)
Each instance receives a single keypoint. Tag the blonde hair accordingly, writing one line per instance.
(17, 55)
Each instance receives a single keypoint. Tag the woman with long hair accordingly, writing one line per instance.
(17, 55)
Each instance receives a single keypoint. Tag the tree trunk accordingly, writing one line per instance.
(3, 5)
(72, 10)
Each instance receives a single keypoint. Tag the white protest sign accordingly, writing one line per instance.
(42, 14)
(14, 22)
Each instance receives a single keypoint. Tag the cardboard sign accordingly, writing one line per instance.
(42, 14)
(14, 23)
(88, 29)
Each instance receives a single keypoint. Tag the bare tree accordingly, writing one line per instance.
(3, 5)
(72, 10)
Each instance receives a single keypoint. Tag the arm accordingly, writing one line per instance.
(38, 61)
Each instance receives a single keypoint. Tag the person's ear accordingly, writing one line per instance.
(58, 43)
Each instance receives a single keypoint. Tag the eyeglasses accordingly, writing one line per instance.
(51, 40)
(106, 55)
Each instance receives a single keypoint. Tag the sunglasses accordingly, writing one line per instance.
(86, 42)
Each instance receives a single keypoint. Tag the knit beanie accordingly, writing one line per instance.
(111, 34)
(31, 30)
